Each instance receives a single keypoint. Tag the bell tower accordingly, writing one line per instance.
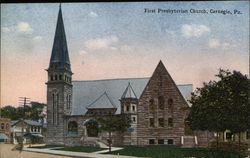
(59, 86)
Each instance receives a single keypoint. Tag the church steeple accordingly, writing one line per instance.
(59, 86)
(59, 56)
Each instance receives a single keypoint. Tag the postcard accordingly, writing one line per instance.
(139, 79)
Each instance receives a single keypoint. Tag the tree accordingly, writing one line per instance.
(9, 112)
(222, 104)
(36, 110)
(113, 123)
(27, 112)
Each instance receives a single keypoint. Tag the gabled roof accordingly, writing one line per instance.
(13, 122)
(102, 102)
(29, 122)
(3, 136)
(129, 92)
(86, 92)
(161, 73)
(60, 50)
(32, 122)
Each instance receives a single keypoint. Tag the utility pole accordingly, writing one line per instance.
(23, 101)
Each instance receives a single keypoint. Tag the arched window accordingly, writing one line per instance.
(170, 122)
(170, 103)
(151, 104)
(57, 111)
(72, 128)
(54, 106)
(68, 101)
(161, 102)
(7, 125)
(60, 77)
(2, 125)
(55, 77)
(160, 81)
(51, 77)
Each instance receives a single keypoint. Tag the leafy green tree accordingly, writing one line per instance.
(26, 112)
(113, 123)
(221, 104)
(9, 112)
(36, 110)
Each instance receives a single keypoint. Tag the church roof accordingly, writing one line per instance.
(86, 92)
(102, 102)
(60, 54)
(129, 92)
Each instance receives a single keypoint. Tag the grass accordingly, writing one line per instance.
(45, 146)
(172, 152)
(85, 149)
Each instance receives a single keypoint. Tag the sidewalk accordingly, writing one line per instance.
(107, 150)
(78, 154)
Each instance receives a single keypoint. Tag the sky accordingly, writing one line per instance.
(121, 40)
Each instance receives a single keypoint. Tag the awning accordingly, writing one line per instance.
(3, 136)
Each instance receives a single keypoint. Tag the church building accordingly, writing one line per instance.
(156, 105)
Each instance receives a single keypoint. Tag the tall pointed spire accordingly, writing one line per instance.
(59, 56)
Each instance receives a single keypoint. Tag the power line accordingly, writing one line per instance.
(25, 102)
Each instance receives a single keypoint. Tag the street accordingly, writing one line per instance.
(5, 152)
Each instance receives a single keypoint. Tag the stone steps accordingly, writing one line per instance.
(188, 141)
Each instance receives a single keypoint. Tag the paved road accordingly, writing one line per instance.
(5, 152)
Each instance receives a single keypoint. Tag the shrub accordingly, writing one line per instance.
(232, 147)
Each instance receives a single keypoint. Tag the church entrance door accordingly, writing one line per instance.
(92, 128)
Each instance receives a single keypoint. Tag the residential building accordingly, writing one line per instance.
(5, 130)
(27, 129)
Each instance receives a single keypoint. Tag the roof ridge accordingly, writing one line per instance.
(105, 93)
(184, 84)
(109, 99)
(128, 89)
(95, 100)
(132, 89)
(108, 79)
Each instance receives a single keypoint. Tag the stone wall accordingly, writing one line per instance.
(56, 116)
(174, 106)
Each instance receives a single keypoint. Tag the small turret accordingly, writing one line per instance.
(129, 102)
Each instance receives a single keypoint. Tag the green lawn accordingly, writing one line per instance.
(85, 149)
(45, 146)
(76, 148)
(172, 152)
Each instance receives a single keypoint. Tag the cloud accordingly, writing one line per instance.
(92, 14)
(24, 27)
(194, 30)
(83, 52)
(5, 29)
(227, 45)
(170, 32)
(37, 38)
(102, 43)
(215, 43)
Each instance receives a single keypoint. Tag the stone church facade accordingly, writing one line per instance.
(156, 105)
